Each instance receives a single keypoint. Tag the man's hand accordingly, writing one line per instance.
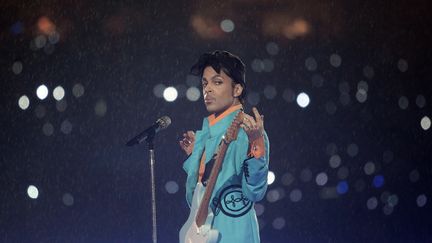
(254, 128)
(188, 141)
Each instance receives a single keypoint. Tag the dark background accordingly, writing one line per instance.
(92, 188)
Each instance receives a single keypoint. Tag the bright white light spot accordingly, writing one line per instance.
(227, 25)
(303, 100)
(170, 94)
(270, 177)
(425, 123)
(32, 192)
(24, 102)
(193, 94)
(42, 92)
(58, 93)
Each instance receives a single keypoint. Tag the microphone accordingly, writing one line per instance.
(160, 124)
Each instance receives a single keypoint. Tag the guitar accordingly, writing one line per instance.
(197, 228)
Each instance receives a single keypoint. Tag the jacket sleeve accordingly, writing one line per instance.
(254, 170)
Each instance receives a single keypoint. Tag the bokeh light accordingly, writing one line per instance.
(68, 199)
(303, 100)
(58, 93)
(100, 108)
(378, 181)
(193, 94)
(296, 195)
(342, 187)
(17, 67)
(270, 177)
(425, 123)
(32, 192)
(24, 102)
(42, 92)
(321, 179)
(170, 94)
(227, 25)
(78, 90)
(171, 187)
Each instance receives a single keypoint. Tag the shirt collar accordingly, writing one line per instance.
(213, 119)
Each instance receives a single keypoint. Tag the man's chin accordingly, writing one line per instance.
(210, 108)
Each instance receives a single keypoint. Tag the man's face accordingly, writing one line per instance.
(218, 91)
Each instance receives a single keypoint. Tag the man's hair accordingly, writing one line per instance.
(231, 64)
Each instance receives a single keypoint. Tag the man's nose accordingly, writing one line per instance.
(207, 89)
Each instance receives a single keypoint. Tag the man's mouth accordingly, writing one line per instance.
(208, 100)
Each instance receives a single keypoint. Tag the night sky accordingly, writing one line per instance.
(345, 88)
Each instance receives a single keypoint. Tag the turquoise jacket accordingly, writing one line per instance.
(241, 181)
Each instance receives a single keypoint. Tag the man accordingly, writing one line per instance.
(243, 177)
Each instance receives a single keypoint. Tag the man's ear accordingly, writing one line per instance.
(238, 90)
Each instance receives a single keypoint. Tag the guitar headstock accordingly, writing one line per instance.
(232, 131)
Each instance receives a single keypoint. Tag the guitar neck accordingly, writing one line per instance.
(203, 208)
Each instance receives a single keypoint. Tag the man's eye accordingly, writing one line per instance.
(218, 82)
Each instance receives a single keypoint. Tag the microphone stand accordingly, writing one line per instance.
(150, 144)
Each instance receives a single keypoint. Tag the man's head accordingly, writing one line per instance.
(223, 80)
